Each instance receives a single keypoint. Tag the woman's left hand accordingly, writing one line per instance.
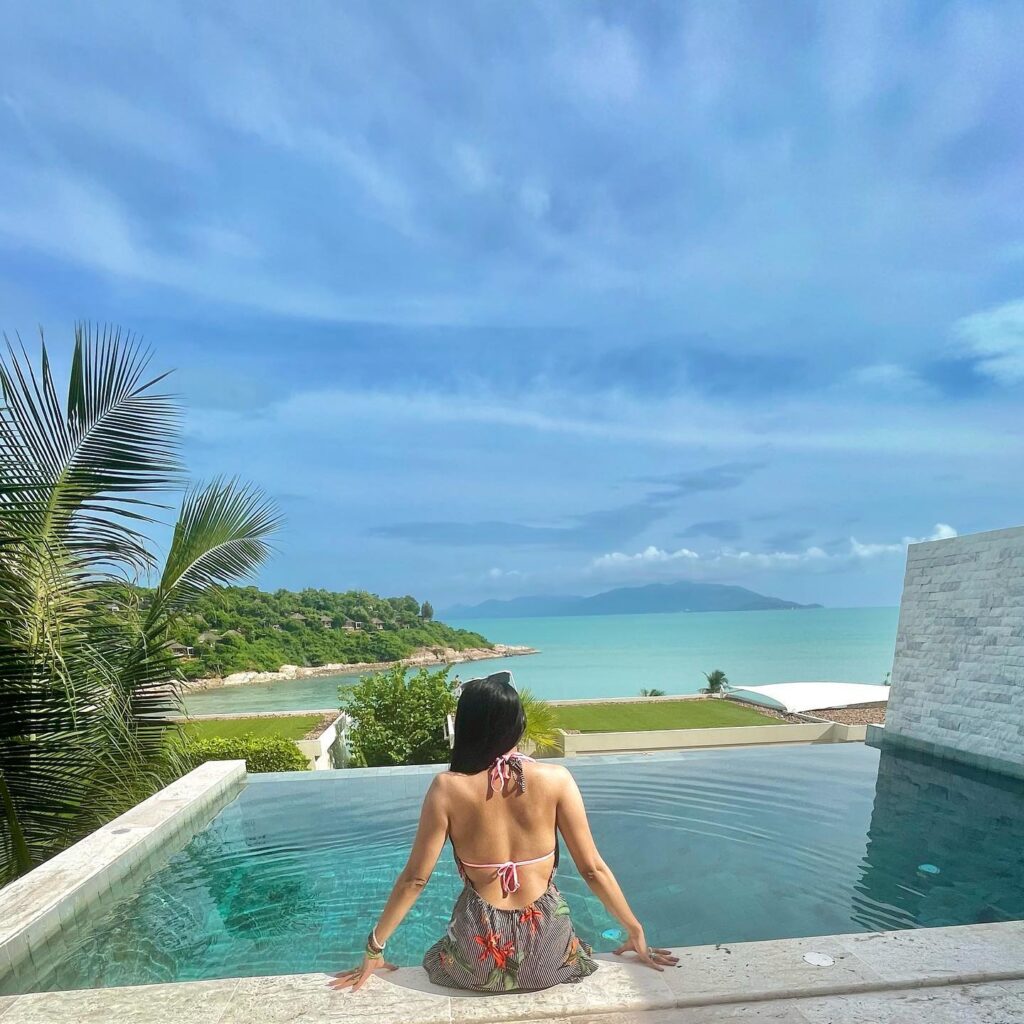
(357, 977)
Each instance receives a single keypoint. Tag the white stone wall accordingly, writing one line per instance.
(958, 673)
(330, 749)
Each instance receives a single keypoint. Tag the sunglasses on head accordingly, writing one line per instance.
(494, 677)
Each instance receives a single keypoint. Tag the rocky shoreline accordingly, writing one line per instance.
(423, 657)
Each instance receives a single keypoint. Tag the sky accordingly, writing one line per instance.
(546, 297)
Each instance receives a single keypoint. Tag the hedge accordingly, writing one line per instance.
(261, 753)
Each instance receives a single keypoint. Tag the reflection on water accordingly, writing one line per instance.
(710, 846)
(945, 846)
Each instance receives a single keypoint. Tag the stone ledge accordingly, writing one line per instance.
(756, 980)
(50, 896)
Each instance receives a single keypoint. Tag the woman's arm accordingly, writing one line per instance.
(571, 819)
(426, 848)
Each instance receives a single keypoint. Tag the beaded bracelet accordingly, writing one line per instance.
(374, 949)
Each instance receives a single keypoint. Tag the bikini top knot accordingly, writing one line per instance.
(505, 767)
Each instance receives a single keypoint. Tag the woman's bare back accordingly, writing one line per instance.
(491, 826)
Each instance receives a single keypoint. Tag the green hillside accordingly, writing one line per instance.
(239, 629)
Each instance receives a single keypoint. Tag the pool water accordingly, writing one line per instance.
(709, 846)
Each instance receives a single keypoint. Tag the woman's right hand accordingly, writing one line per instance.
(358, 976)
(659, 959)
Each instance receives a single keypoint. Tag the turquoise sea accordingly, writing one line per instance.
(618, 655)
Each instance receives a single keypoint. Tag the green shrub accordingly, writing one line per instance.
(261, 753)
(399, 720)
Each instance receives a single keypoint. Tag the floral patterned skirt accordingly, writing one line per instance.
(487, 949)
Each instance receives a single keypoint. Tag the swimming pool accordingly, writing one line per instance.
(710, 846)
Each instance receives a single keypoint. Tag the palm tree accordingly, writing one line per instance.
(541, 723)
(86, 677)
(652, 693)
(717, 681)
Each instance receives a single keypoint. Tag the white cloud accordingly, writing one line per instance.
(995, 337)
(727, 558)
(223, 241)
(888, 377)
(650, 555)
(679, 420)
(502, 574)
(771, 559)
(942, 531)
(78, 220)
(73, 219)
(859, 550)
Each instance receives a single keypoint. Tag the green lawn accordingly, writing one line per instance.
(683, 714)
(291, 727)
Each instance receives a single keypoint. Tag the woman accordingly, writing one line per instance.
(510, 929)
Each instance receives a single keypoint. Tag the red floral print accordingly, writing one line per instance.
(492, 947)
(530, 916)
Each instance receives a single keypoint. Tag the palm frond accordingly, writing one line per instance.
(222, 534)
(85, 695)
(117, 436)
(541, 722)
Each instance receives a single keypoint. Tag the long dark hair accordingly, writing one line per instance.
(489, 721)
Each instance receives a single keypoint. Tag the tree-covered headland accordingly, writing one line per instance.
(240, 629)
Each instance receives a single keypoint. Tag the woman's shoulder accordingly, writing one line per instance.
(548, 773)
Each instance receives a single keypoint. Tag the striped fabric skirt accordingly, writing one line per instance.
(487, 949)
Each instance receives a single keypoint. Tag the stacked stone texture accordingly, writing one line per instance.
(958, 673)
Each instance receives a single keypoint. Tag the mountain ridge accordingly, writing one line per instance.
(683, 596)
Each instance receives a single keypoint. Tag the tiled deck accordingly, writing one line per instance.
(968, 975)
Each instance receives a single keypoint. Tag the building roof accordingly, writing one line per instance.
(797, 697)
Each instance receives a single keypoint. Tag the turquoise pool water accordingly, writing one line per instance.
(711, 846)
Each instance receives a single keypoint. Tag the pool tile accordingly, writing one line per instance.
(199, 1002)
(15, 949)
(308, 997)
(776, 967)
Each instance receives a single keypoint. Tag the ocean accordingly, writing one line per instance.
(618, 655)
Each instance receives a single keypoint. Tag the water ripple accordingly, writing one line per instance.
(717, 846)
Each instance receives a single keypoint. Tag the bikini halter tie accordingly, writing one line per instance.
(505, 767)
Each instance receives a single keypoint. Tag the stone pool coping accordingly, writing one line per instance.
(37, 906)
(760, 977)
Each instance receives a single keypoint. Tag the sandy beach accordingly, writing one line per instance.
(423, 657)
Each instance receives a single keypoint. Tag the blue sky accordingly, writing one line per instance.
(502, 298)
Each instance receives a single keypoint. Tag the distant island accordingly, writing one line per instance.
(684, 596)
(231, 630)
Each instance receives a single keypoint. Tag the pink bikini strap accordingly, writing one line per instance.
(508, 872)
(505, 767)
